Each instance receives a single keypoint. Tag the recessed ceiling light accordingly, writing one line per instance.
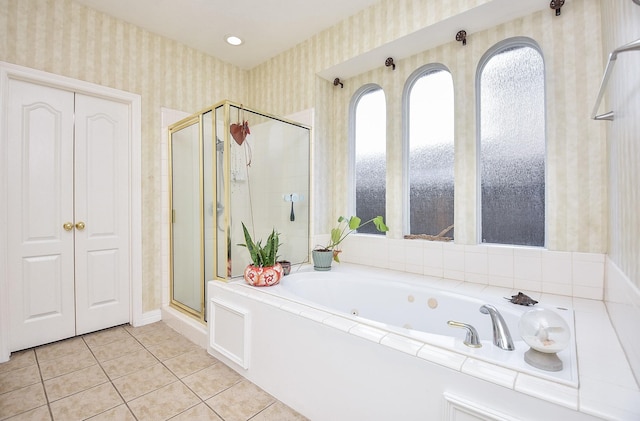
(233, 40)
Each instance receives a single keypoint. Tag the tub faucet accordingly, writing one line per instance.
(501, 336)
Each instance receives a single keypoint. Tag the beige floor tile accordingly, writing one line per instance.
(200, 412)
(104, 337)
(67, 364)
(159, 335)
(191, 362)
(137, 331)
(212, 380)
(60, 349)
(128, 364)
(22, 400)
(240, 402)
(119, 413)
(17, 379)
(77, 381)
(164, 403)
(172, 348)
(279, 412)
(41, 413)
(86, 404)
(116, 349)
(18, 360)
(144, 381)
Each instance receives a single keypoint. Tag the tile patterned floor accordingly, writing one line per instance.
(125, 373)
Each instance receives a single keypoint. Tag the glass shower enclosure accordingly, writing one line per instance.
(229, 165)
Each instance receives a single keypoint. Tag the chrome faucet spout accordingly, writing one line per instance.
(501, 336)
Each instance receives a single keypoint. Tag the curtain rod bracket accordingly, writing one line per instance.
(389, 63)
(462, 36)
(556, 5)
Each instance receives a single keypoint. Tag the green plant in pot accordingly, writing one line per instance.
(324, 255)
(264, 269)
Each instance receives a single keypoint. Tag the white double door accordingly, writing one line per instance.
(68, 211)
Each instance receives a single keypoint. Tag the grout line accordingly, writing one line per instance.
(109, 379)
(46, 395)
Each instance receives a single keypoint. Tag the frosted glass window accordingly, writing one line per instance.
(431, 152)
(370, 156)
(512, 146)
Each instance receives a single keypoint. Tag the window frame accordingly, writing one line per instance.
(496, 49)
(351, 166)
(406, 136)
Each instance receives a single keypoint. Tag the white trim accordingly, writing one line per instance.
(149, 317)
(225, 340)
(11, 71)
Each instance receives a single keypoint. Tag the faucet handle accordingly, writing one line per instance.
(472, 339)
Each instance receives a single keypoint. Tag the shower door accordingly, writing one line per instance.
(186, 218)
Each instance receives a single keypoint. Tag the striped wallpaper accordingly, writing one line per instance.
(63, 37)
(571, 45)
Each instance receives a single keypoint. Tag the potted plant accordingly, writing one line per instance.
(324, 255)
(264, 270)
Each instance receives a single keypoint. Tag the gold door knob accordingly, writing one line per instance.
(68, 226)
(80, 225)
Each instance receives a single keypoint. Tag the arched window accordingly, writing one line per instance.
(368, 163)
(511, 115)
(429, 150)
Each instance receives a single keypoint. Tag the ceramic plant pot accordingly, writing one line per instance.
(322, 259)
(263, 276)
(286, 266)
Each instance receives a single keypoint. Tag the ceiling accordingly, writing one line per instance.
(268, 27)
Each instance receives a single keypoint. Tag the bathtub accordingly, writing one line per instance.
(413, 310)
(361, 343)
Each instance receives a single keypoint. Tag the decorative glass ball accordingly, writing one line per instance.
(544, 330)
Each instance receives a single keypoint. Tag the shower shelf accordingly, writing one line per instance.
(635, 45)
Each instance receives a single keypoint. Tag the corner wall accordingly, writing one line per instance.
(620, 25)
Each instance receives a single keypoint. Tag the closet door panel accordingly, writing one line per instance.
(40, 201)
(102, 205)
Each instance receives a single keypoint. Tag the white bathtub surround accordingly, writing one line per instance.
(298, 351)
(622, 299)
(529, 269)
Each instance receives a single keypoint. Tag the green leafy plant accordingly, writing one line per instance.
(347, 226)
(262, 256)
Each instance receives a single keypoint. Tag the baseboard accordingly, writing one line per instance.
(148, 318)
(186, 326)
